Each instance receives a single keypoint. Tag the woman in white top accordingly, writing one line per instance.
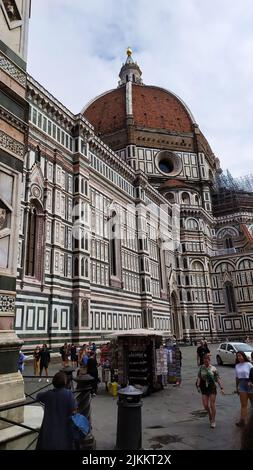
(242, 371)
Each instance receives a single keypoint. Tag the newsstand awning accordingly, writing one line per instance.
(135, 332)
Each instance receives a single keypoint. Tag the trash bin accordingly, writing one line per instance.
(129, 426)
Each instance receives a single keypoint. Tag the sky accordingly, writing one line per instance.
(202, 50)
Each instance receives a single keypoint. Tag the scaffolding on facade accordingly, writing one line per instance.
(232, 194)
(225, 181)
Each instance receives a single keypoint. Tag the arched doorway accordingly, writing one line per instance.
(175, 325)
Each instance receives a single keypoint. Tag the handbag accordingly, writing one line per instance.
(81, 425)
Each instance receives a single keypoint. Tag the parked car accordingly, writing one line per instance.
(226, 352)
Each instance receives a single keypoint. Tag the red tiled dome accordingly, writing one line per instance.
(107, 112)
(153, 108)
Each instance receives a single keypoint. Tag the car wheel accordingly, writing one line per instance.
(219, 360)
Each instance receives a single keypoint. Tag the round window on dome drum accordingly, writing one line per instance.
(168, 163)
(166, 166)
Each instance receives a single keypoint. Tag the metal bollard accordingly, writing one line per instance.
(84, 385)
(68, 371)
(129, 427)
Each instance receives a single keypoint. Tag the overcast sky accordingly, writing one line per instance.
(200, 49)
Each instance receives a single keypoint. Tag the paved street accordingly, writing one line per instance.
(173, 418)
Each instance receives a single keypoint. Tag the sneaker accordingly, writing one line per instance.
(213, 425)
(39, 380)
(47, 380)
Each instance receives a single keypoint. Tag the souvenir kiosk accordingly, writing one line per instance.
(135, 356)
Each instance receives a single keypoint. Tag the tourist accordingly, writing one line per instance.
(202, 350)
(244, 390)
(21, 360)
(56, 429)
(207, 379)
(36, 361)
(93, 371)
(73, 355)
(64, 355)
(44, 360)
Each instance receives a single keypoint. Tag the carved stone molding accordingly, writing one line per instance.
(13, 120)
(12, 145)
(8, 67)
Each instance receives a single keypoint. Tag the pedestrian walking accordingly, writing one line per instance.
(56, 432)
(245, 391)
(44, 360)
(73, 355)
(21, 360)
(106, 373)
(93, 371)
(64, 354)
(208, 377)
(201, 351)
(36, 361)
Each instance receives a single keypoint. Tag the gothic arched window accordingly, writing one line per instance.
(229, 243)
(86, 268)
(113, 252)
(82, 267)
(230, 297)
(85, 313)
(31, 243)
(185, 198)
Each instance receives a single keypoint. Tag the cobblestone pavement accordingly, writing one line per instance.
(172, 418)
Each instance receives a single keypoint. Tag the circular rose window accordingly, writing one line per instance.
(168, 163)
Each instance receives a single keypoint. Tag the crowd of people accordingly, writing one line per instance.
(88, 358)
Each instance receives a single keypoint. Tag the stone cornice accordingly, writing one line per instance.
(48, 100)
(13, 119)
(105, 152)
(239, 217)
(51, 106)
(191, 211)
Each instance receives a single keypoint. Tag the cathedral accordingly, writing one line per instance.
(126, 221)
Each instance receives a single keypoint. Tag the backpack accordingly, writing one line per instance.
(80, 426)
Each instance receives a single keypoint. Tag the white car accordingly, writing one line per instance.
(226, 352)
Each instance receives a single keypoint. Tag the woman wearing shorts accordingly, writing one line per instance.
(207, 379)
(244, 390)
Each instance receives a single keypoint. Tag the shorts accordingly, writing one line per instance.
(207, 390)
(243, 386)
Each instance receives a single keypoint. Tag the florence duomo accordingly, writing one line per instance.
(126, 229)
(87, 203)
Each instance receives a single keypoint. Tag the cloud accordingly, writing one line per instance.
(201, 50)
